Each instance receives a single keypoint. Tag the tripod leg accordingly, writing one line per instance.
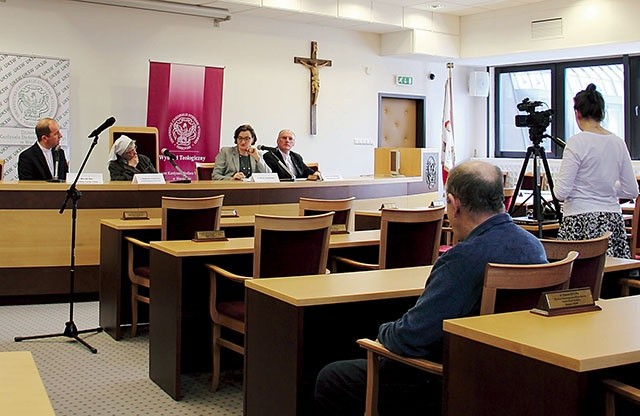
(523, 170)
(547, 171)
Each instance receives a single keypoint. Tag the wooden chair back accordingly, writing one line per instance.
(514, 287)
(508, 197)
(1, 169)
(313, 166)
(410, 237)
(588, 269)
(182, 217)
(291, 246)
(204, 170)
(341, 207)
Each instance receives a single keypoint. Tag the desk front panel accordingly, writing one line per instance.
(29, 211)
(286, 346)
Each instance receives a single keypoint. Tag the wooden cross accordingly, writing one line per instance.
(313, 63)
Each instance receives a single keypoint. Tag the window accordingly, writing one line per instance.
(554, 85)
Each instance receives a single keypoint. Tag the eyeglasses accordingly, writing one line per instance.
(245, 138)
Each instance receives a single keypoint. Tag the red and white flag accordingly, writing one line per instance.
(448, 155)
(185, 104)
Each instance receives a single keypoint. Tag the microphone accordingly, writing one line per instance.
(168, 154)
(267, 148)
(107, 123)
(56, 162)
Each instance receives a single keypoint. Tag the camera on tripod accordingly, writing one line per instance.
(535, 119)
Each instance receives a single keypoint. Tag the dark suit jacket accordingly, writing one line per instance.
(32, 166)
(302, 170)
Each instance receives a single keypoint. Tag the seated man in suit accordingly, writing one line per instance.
(239, 162)
(475, 209)
(40, 161)
(285, 162)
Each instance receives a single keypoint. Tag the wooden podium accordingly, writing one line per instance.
(409, 161)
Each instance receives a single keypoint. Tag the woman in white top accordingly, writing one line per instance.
(595, 171)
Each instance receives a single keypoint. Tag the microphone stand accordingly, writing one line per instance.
(185, 178)
(70, 329)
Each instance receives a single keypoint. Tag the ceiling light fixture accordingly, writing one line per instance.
(436, 6)
(218, 15)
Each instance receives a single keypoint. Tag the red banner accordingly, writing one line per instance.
(185, 104)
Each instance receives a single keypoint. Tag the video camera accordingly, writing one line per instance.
(535, 119)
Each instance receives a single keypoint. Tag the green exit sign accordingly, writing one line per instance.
(404, 80)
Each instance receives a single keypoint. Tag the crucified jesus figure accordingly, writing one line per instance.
(313, 64)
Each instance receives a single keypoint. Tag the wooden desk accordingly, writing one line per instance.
(296, 325)
(24, 275)
(180, 330)
(21, 389)
(115, 289)
(524, 364)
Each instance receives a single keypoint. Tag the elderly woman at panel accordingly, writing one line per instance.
(595, 171)
(124, 160)
(240, 161)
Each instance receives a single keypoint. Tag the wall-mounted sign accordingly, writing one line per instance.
(404, 80)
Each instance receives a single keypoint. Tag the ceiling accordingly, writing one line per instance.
(373, 16)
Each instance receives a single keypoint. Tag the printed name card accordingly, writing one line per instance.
(148, 178)
(563, 302)
(332, 177)
(265, 178)
(85, 178)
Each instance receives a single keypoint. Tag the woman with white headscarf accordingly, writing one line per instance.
(124, 160)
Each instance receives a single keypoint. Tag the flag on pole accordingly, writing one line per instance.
(448, 156)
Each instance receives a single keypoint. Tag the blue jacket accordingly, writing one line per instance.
(454, 287)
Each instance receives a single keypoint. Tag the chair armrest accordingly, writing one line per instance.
(629, 282)
(219, 271)
(138, 243)
(622, 389)
(352, 263)
(419, 363)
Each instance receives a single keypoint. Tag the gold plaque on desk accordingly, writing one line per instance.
(217, 235)
(339, 229)
(228, 213)
(135, 215)
(563, 302)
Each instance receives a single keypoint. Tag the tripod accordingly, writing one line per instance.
(539, 203)
(70, 329)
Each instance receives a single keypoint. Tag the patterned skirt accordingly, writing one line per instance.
(592, 225)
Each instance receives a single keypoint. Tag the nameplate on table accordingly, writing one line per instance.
(388, 205)
(339, 229)
(228, 213)
(148, 178)
(564, 302)
(265, 177)
(135, 215)
(331, 177)
(85, 178)
(437, 203)
(217, 235)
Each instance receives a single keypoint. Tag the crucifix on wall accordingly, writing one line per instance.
(313, 63)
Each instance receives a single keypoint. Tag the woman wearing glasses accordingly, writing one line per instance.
(124, 160)
(239, 162)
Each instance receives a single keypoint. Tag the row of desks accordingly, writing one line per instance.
(347, 306)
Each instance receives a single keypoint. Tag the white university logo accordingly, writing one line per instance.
(30, 99)
(184, 131)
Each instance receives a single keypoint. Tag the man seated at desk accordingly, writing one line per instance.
(45, 160)
(475, 210)
(287, 163)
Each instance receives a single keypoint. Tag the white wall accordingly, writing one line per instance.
(110, 47)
